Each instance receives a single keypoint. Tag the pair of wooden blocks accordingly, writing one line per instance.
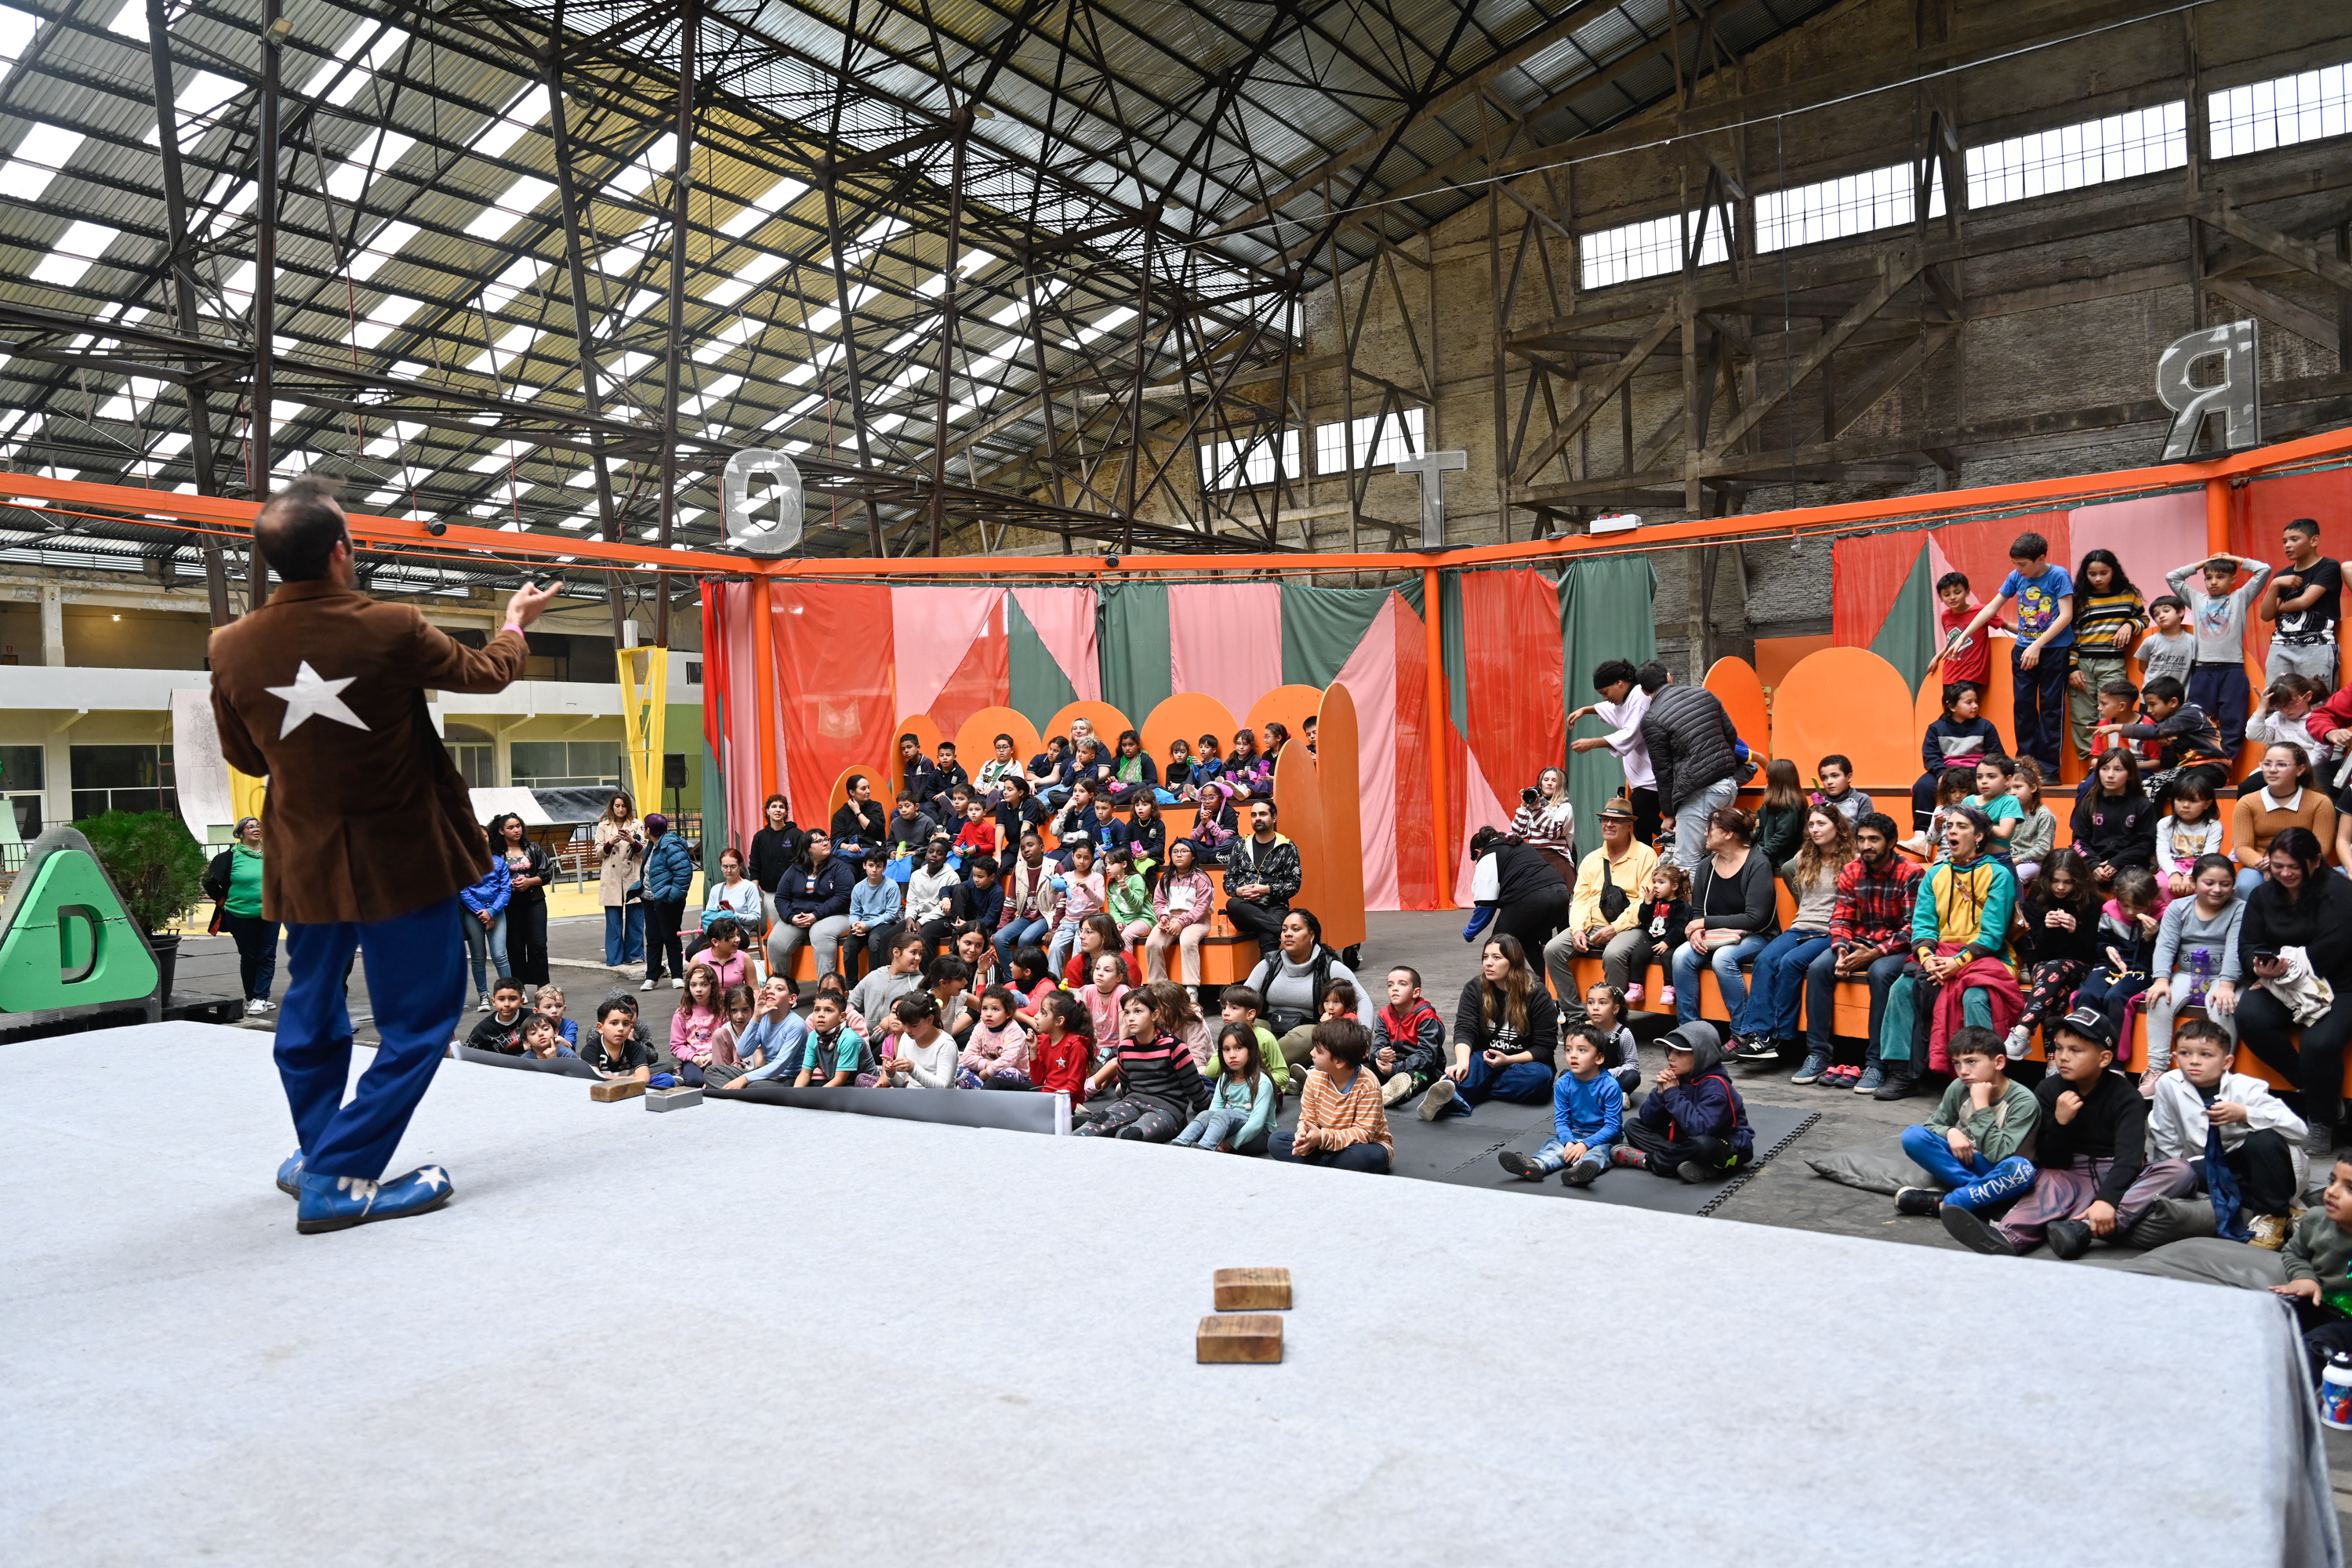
(1244, 1327)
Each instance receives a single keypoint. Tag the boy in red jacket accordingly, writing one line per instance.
(1407, 1039)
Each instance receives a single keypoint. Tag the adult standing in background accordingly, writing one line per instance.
(233, 881)
(774, 849)
(621, 852)
(322, 690)
(485, 923)
(529, 866)
(668, 877)
(1695, 753)
(1522, 888)
(1621, 707)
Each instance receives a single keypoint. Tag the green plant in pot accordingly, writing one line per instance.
(156, 866)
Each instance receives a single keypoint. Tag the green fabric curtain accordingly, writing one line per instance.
(714, 812)
(1457, 663)
(1036, 688)
(1604, 613)
(1132, 634)
(1907, 639)
(1321, 629)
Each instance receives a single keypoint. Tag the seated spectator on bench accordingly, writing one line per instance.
(502, 1030)
(541, 1041)
(1960, 942)
(1407, 1039)
(1834, 777)
(924, 1055)
(1692, 1123)
(1240, 1004)
(1129, 905)
(1161, 1088)
(550, 1002)
(1262, 875)
(1659, 921)
(1217, 823)
(910, 828)
(919, 777)
(1049, 772)
(2185, 835)
(1965, 1146)
(1084, 892)
(1027, 978)
(2197, 963)
(974, 948)
(1604, 909)
(1176, 778)
(2128, 928)
(931, 889)
(1341, 1122)
(1241, 1103)
(2057, 942)
(832, 1050)
(952, 779)
(861, 819)
(1780, 816)
(1146, 837)
(1954, 743)
(974, 906)
(1179, 1015)
(2316, 1257)
(1029, 900)
(1950, 791)
(1133, 775)
(2187, 740)
(1018, 814)
(875, 904)
(1086, 821)
(2092, 1179)
(981, 835)
(812, 907)
(735, 897)
(2298, 1031)
(1767, 1026)
(2036, 833)
(1293, 978)
(1505, 1037)
(617, 1049)
(867, 1008)
(1870, 939)
(1181, 908)
(771, 1045)
(2289, 797)
(1735, 911)
(1588, 1117)
(2200, 1101)
(1001, 768)
(996, 1055)
(1248, 773)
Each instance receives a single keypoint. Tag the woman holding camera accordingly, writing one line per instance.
(1546, 822)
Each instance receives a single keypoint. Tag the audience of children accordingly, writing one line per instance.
(1968, 1145)
(1588, 1117)
(1242, 1098)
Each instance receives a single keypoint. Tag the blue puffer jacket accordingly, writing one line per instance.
(489, 895)
(669, 869)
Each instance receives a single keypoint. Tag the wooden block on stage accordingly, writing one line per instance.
(1252, 1290)
(672, 1098)
(614, 1089)
(1244, 1337)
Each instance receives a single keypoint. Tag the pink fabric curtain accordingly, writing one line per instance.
(1370, 675)
(932, 629)
(2150, 536)
(1065, 622)
(1224, 640)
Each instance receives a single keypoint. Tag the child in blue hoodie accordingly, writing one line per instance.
(1693, 1124)
(1587, 1114)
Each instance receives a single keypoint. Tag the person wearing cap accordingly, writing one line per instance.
(233, 880)
(2092, 1176)
(1960, 969)
(668, 877)
(1692, 1124)
(1604, 912)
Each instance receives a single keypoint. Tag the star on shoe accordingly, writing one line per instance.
(312, 694)
(433, 1177)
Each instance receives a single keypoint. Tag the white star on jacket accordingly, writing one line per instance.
(310, 694)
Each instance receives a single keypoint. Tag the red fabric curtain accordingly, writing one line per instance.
(834, 659)
(1416, 854)
(1511, 658)
(1866, 577)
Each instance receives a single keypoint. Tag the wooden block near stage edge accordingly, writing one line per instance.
(614, 1089)
(1246, 1337)
(1252, 1290)
(672, 1098)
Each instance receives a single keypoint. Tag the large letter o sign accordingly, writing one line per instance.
(746, 530)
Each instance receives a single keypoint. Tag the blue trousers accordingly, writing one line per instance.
(1548, 1158)
(1820, 1000)
(625, 934)
(1015, 934)
(1726, 963)
(1968, 1187)
(1521, 1083)
(2040, 695)
(416, 983)
(1778, 985)
(2222, 691)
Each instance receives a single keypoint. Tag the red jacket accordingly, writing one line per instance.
(2336, 713)
(1061, 1064)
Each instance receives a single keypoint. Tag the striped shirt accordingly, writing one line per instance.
(1163, 1070)
(2099, 617)
(1355, 1117)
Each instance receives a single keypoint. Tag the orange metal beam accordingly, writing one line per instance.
(1441, 724)
(763, 686)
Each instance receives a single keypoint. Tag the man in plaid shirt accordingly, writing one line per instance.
(1870, 936)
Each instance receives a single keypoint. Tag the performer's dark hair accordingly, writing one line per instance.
(299, 528)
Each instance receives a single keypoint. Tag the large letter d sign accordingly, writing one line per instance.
(746, 530)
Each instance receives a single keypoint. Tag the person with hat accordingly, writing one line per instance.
(1960, 969)
(2092, 1176)
(233, 881)
(1604, 912)
(1692, 1124)
(370, 836)
(668, 877)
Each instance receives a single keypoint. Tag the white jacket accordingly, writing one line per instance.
(2300, 990)
(2177, 1122)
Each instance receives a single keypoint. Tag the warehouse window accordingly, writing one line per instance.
(1647, 249)
(2282, 112)
(2120, 147)
(1232, 465)
(1834, 209)
(1375, 441)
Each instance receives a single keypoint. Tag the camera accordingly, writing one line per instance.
(1527, 795)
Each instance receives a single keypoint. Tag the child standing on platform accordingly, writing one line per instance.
(2044, 596)
(2217, 612)
(2109, 618)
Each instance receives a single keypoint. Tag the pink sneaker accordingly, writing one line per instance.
(1666, 995)
(1634, 994)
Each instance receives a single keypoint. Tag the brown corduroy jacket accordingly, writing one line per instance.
(322, 689)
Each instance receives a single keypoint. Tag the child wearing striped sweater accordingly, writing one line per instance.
(1161, 1087)
(1340, 1119)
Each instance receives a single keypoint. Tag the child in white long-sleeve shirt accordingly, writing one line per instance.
(2261, 1138)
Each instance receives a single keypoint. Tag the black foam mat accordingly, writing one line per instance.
(1776, 1127)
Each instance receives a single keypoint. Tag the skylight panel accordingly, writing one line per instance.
(77, 250)
(521, 117)
(204, 97)
(389, 241)
(16, 30)
(515, 204)
(382, 321)
(780, 195)
(375, 155)
(37, 160)
(360, 74)
(747, 278)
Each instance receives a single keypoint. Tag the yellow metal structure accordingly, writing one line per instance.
(645, 712)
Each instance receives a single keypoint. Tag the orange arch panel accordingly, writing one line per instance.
(1299, 800)
(1851, 700)
(1186, 716)
(1738, 687)
(925, 732)
(975, 738)
(1336, 756)
(839, 794)
(1292, 705)
(1106, 720)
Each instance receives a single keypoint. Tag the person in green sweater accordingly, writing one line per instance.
(1982, 1120)
(2316, 1257)
(1961, 915)
(1127, 900)
(233, 881)
(1241, 1006)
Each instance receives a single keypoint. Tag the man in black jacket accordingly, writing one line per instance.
(2092, 1176)
(1694, 752)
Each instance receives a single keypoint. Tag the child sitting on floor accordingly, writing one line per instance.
(1030, 984)
(2202, 1108)
(1693, 1124)
(1341, 1122)
(1604, 1009)
(1159, 1088)
(550, 1000)
(696, 1019)
(1098, 936)
(1339, 1000)
(540, 1039)
(1061, 1053)
(771, 1045)
(1243, 1101)
(616, 1048)
(1407, 1038)
(738, 1003)
(925, 1053)
(1588, 1117)
(997, 1054)
(1103, 995)
(502, 1031)
(1982, 1120)
(1242, 1005)
(833, 1048)
(2316, 1257)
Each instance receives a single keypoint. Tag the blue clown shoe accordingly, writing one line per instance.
(339, 1203)
(289, 1175)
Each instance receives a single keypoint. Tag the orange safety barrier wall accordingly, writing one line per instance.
(975, 738)
(1186, 716)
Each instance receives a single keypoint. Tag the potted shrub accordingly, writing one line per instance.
(158, 870)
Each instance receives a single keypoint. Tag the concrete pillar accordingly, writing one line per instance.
(53, 626)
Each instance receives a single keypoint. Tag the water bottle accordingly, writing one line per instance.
(2336, 1392)
(2200, 970)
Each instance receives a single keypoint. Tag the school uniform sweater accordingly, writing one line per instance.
(2317, 1250)
(2261, 816)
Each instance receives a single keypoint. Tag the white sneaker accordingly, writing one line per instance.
(2016, 1043)
(677, 981)
(649, 985)
(485, 1006)
(252, 1007)
(265, 1004)
(1440, 1096)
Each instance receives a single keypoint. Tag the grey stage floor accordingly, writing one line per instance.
(739, 1332)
